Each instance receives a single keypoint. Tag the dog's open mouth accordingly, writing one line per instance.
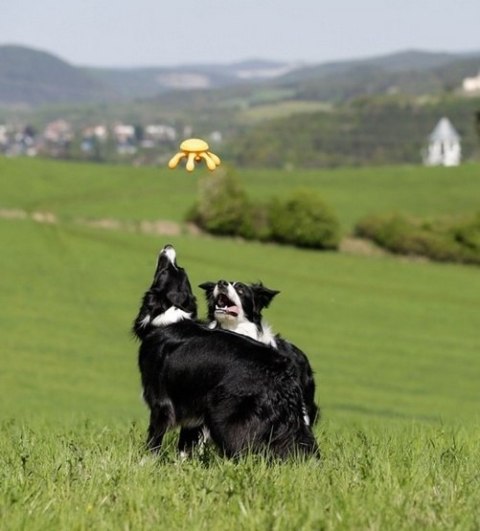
(224, 305)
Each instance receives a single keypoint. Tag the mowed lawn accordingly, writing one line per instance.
(75, 190)
(394, 344)
(386, 337)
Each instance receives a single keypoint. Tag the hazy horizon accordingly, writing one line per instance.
(149, 33)
(240, 60)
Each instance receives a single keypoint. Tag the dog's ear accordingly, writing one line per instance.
(263, 295)
(207, 286)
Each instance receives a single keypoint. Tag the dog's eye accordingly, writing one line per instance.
(240, 289)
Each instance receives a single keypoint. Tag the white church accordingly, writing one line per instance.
(443, 146)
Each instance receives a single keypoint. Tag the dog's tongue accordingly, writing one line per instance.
(230, 310)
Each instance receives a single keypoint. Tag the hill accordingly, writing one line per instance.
(30, 77)
(410, 72)
(149, 82)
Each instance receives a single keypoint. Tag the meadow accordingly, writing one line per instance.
(75, 190)
(394, 344)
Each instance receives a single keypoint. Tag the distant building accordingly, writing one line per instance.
(157, 134)
(124, 133)
(443, 146)
(58, 132)
(92, 137)
(3, 135)
(471, 84)
(216, 137)
(99, 132)
(125, 139)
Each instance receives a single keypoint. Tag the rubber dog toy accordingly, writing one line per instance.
(194, 150)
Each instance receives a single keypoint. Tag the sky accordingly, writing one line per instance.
(158, 32)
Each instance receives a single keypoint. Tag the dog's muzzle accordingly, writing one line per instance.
(224, 305)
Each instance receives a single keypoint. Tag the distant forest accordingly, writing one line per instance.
(366, 131)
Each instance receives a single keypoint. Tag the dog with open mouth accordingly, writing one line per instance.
(244, 393)
(237, 307)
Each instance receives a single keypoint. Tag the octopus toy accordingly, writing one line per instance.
(194, 150)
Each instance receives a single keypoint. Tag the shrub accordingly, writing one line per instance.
(256, 223)
(222, 206)
(468, 233)
(444, 240)
(303, 219)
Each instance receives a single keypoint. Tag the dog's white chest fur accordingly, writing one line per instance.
(172, 315)
(246, 328)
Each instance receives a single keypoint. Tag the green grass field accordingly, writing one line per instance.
(394, 344)
(269, 111)
(125, 193)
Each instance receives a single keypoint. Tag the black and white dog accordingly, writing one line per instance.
(245, 394)
(237, 307)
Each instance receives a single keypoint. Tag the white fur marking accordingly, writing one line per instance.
(267, 336)
(171, 254)
(144, 322)
(306, 418)
(172, 315)
(245, 328)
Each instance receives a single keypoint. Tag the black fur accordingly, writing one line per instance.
(253, 299)
(244, 393)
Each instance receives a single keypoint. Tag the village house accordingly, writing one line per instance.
(18, 140)
(153, 135)
(3, 135)
(125, 140)
(92, 136)
(471, 84)
(58, 132)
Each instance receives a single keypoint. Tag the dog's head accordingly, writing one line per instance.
(234, 303)
(170, 297)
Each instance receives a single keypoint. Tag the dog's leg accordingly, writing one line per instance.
(299, 443)
(161, 418)
(190, 438)
(233, 425)
(306, 444)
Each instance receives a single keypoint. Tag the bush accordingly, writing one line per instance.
(256, 223)
(304, 220)
(468, 233)
(222, 206)
(443, 240)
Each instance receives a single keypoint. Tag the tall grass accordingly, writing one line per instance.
(91, 476)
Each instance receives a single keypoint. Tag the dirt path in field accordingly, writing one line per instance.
(160, 227)
(349, 245)
(360, 247)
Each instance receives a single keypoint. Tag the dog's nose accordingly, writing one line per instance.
(222, 283)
